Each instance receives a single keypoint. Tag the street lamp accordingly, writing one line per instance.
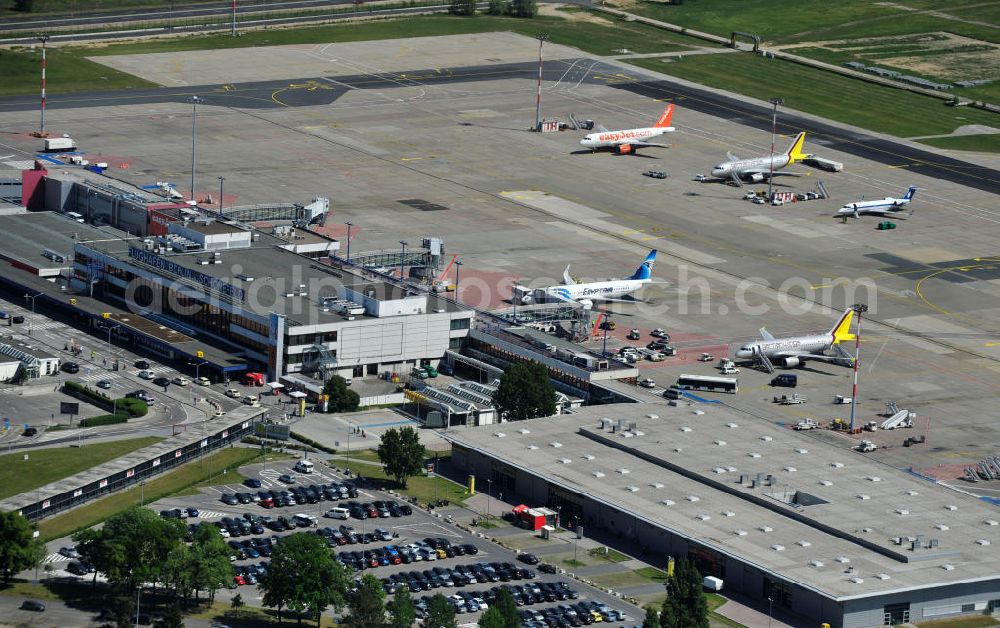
(222, 183)
(458, 266)
(576, 537)
(513, 297)
(402, 259)
(774, 126)
(541, 37)
(32, 297)
(197, 366)
(489, 495)
(859, 309)
(194, 132)
(41, 130)
(349, 225)
(770, 607)
(109, 329)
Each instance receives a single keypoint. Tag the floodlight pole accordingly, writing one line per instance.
(859, 309)
(541, 37)
(774, 126)
(458, 266)
(234, 19)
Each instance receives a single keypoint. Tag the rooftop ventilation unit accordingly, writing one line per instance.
(623, 471)
(766, 529)
(652, 416)
(864, 496)
(732, 426)
(942, 527)
(720, 443)
(791, 469)
(873, 478)
(740, 532)
(524, 431)
(991, 522)
(856, 580)
(656, 484)
(588, 456)
(804, 543)
(556, 445)
(632, 489)
(778, 548)
(754, 454)
(532, 447)
(948, 567)
(606, 423)
(951, 507)
(801, 450)
(703, 516)
(697, 412)
(983, 542)
(499, 434)
(837, 465)
(693, 498)
(598, 474)
(719, 470)
(766, 439)
(902, 511)
(667, 502)
(816, 563)
(842, 559)
(825, 483)
(883, 576)
(685, 428)
(912, 493)
(728, 513)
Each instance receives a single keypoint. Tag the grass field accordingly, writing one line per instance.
(611, 556)
(423, 488)
(48, 465)
(989, 143)
(960, 622)
(167, 484)
(806, 89)
(69, 71)
(807, 20)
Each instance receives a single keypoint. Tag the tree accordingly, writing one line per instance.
(440, 614)
(342, 398)
(525, 392)
(365, 608)
(19, 549)
(178, 571)
(237, 602)
(685, 606)
(304, 577)
(652, 618)
(171, 618)
(507, 608)
(132, 547)
(27, 6)
(524, 8)
(497, 7)
(492, 619)
(210, 566)
(401, 453)
(401, 613)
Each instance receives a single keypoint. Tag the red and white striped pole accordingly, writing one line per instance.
(858, 308)
(541, 37)
(234, 18)
(41, 131)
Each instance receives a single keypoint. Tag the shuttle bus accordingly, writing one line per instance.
(711, 384)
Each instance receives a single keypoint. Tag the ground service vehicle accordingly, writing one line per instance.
(708, 383)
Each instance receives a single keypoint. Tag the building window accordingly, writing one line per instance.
(459, 323)
(455, 343)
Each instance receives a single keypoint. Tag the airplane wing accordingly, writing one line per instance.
(767, 173)
(649, 144)
(766, 335)
(601, 128)
(731, 157)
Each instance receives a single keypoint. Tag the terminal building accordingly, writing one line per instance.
(825, 533)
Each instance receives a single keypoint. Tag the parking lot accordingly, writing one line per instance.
(425, 551)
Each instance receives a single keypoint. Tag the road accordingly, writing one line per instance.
(312, 91)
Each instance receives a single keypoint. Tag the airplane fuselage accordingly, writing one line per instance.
(743, 167)
(595, 291)
(610, 139)
(887, 204)
(772, 348)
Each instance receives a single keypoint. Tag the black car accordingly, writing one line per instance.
(76, 568)
(33, 605)
(162, 381)
(142, 364)
(787, 380)
(69, 367)
(30, 431)
(251, 483)
(530, 559)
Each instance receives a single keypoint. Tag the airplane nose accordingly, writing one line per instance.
(718, 171)
(743, 353)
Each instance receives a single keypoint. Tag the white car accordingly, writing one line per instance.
(758, 201)
(706, 357)
(700, 177)
(251, 400)
(232, 393)
(180, 381)
(203, 381)
(646, 382)
(146, 374)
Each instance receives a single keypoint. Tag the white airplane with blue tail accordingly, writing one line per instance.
(883, 207)
(587, 293)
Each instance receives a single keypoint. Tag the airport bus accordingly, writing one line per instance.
(711, 384)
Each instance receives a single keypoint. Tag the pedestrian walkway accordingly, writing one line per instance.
(748, 616)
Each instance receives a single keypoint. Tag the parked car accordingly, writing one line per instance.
(161, 381)
(287, 479)
(251, 483)
(232, 393)
(180, 381)
(33, 605)
(634, 334)
(70, 367)
(203, 381)
(655, 174)
(527, 558)
(30, 431)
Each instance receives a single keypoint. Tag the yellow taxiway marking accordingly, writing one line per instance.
(417, 158)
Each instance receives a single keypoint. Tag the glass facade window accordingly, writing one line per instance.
(460, 323)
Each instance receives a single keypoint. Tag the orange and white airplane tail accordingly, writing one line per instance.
(665, 119)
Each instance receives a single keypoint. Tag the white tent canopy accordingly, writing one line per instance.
(297, 394)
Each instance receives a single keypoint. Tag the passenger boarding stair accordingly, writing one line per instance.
(760, 358)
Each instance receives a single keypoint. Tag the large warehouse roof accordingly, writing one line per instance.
(830, 519)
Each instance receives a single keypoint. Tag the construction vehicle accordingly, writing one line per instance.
(806, 424)
(840, 399)
(840, 425)
(789, 400)
(866, 446)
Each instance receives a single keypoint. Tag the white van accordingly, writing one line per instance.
(304, 466)
(304, 521)
(338, 513)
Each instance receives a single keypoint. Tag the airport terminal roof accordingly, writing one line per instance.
(27, 235)
(269, 272)
(680, 468)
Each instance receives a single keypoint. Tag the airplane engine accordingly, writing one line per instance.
(790, 363)
(756, 177)
(587, 304)
(527, 299)
(624, 149)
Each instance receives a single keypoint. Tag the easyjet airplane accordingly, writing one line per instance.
(630, 140)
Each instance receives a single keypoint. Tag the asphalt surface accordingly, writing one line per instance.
(309, 92)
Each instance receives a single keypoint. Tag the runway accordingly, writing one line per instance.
(313, 91)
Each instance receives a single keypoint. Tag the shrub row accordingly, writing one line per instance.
(104, 419)
(133, 408)
(308, 441)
